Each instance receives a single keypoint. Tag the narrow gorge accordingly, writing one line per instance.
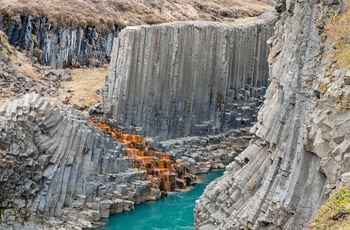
(61, 170)
(180, 99)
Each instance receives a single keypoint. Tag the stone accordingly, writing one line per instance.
(201, 104)
(345, 178)
(66, 78)
(86, 216)
(293, 161)
(56, 169)
(66, 46)
(154, 195)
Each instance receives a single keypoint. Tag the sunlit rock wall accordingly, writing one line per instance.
(188, 78)
(302, 137)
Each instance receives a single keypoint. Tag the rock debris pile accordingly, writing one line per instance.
(204, 153)
(163, 171)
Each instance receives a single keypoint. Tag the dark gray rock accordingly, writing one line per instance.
(60, 172)
(301, 144)
(60, 47)
(188, 78)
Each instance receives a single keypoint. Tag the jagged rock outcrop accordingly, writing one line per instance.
(59, 45)
(188, 78)
(58, 170)
(302, 137)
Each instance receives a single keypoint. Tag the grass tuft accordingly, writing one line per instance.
(335, 213)
(339, 32)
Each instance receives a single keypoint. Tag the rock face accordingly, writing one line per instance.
(59, 170)
(188, 78)
(301, 147)
(59, 46)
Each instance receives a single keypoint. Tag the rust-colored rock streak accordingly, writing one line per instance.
(162, 170)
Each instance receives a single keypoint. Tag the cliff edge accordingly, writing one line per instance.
(301, 146)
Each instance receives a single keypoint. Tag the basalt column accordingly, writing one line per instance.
(188, 78)
(60, 46)
(302, 142)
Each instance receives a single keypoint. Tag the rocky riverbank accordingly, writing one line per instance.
(58, 170)
(204, 153)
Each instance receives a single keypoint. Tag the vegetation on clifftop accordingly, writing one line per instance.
(335, 213)
(108, 13)
(339, 31)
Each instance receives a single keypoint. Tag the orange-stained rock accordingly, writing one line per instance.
(162, 170)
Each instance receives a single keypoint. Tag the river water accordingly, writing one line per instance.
(174, 212)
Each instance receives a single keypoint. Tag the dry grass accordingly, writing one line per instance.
(104, 15)
(108, 13)
(84, 85)
(335, 213)
(339, 32)
(18, 60)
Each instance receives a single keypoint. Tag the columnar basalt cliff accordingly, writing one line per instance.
(188, 78)
(59, 45)
(58, 170)
(302, 140)
(72, 33)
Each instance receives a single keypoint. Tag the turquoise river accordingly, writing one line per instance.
(173, 212)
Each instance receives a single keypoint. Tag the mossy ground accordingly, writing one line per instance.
(335, 213)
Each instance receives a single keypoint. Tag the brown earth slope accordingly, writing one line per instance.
(108, 13)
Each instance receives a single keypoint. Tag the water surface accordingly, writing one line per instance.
(174, 212)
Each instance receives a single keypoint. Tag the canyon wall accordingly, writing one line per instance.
(59, 45)
(188, 78)
(301, 146)
(59, 170)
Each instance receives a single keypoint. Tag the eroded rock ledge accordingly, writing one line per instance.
(59, 170)
(188, 78)
(302, 141)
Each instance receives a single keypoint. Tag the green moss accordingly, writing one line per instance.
(334, 214)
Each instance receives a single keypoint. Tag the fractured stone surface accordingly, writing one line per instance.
(300, 153)
(188, 78)
(59, 170)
